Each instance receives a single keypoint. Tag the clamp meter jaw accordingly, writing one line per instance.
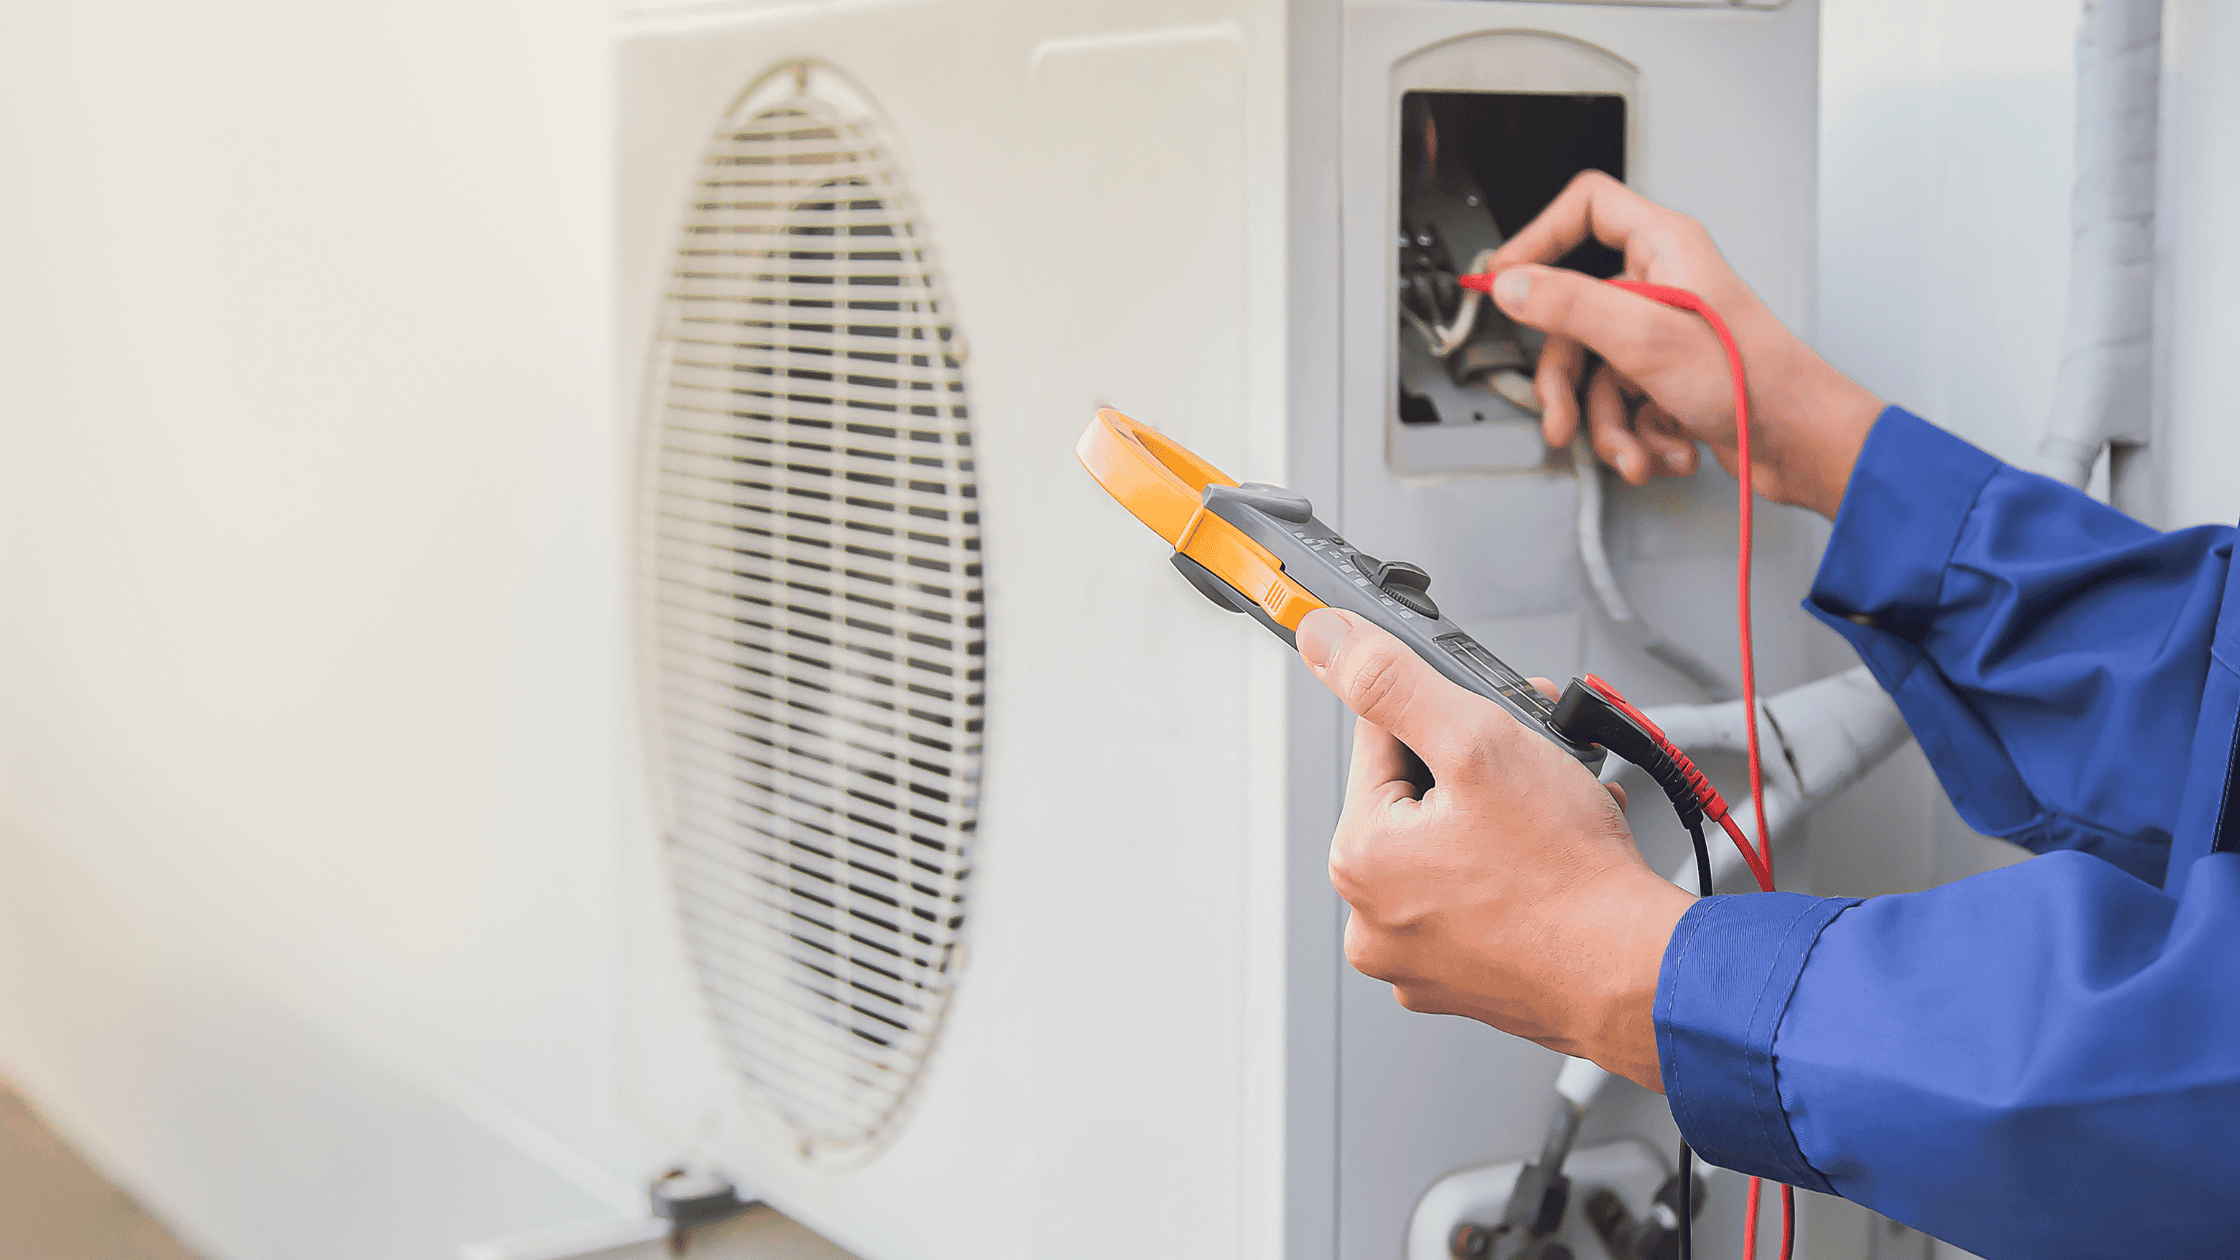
(1393, 595)
(1259, 550)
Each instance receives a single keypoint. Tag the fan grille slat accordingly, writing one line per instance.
(812, 608)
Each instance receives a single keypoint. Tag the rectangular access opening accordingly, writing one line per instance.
(1475, 167)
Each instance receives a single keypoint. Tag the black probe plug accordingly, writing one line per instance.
(1590, 711)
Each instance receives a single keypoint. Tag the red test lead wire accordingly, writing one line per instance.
(1760, 858)
(1684, 300)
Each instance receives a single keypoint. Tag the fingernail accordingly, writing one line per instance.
(1320, 632)
(1511, 286)
(1675, 460)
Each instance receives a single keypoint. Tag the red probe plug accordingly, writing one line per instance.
(1591, 711)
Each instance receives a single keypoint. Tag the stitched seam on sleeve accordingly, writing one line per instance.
(1944, 567)
(2217, 654)
(1751, 1069)
(1772, 1064)
(2042, 823)
(2231, 763)
(1675, 1094)
(1906, 675)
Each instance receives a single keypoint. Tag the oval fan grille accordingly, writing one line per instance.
(816, 613)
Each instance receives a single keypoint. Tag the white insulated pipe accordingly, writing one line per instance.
(1814, 740)
(2102, 394)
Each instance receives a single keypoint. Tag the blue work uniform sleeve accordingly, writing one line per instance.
(2041, 1062)
(2048, 651)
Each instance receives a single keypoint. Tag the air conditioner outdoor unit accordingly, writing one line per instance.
(978, 902)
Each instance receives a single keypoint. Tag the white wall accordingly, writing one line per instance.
(1946, 157)
(307, 587)
(2199, 318)
(1947, 133)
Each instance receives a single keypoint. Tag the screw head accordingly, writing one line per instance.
(1470, 1242)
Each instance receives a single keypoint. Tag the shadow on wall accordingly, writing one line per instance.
(54, 1206)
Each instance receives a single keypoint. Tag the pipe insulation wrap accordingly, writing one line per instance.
(1698, 728)
(1835, 730)
(2107, 344)
(1819, 738)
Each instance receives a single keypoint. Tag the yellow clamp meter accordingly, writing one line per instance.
(1258, 549)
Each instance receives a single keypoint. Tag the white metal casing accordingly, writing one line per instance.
(1182, 210)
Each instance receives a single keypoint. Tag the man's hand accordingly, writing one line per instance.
(1511, 892)
(1663, 385)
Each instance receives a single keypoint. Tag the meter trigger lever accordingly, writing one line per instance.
(1277, 502)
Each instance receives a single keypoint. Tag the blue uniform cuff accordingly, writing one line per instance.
(1879, 581)
(1728, 973)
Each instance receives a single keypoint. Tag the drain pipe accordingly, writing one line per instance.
(2102, 394)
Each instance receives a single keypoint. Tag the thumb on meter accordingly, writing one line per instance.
(1392, 688)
